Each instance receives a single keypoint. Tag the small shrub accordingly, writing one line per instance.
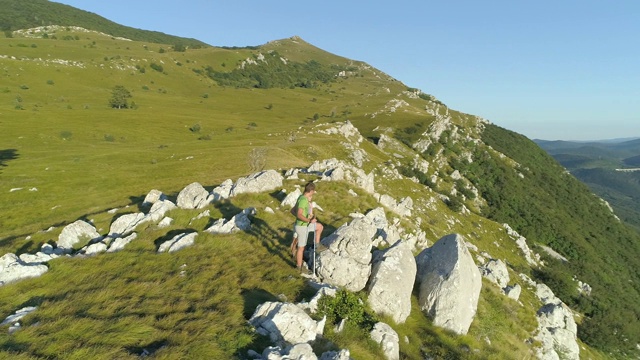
(269, 107)
(156, 67)
(161, 51)
(66, 135)
(50, 82)
(205, 137)
(145, 87)
(109, 138)
(349, 306)
(34, 46)
(229, 129)
(195, 128)
(205, 96)
(24, 87)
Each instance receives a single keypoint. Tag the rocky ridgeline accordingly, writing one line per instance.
(369, 253)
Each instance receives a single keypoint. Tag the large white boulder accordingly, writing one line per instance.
(13, 269)
(285, 322)
(76, 233)
(259, 182)
(449, 283)
(384, 335)
(347, 263)
(392, 277)
(194, 196)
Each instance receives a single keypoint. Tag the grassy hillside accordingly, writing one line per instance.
(19, 14)
(66, 154)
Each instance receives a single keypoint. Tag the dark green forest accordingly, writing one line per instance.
(20, 14)
(563, 213)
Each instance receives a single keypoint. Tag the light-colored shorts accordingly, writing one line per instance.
(303, 233)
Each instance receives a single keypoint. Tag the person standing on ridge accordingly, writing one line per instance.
(306, 222)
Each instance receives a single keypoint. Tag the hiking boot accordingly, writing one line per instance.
(320, 247)
(304, 271)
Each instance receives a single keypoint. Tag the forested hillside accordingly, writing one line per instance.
(19, 14)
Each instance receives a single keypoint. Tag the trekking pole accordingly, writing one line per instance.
(312, 230)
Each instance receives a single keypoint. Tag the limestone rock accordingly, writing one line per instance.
(391, 282)
(153, 196)
(125, 224)
(384, 335)
(496, 271)
(347, 263)
(159, 210)
(513, 292)
(165, 222)
(285, 322)
(95, 248)
(450, 284)
(259, 182)
(557, 332)
(13, 269)
(223, 191)
(194, 196)
(178, 242)
(79, 231)
(291, 198)
(240, 222)
(119, 243)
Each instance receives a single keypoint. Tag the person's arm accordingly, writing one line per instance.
(301, 216)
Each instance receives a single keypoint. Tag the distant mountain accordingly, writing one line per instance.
(26, 14)
(599, 165)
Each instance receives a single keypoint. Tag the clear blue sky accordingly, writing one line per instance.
(547, 69)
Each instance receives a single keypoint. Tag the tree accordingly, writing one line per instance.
(119, 96)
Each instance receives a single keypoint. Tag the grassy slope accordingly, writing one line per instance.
(116, 296)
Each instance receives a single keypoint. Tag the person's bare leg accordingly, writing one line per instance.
(299, 256)
(319, 228)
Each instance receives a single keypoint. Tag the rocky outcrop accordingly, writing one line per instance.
(391, 283)
(285, 323)
(449, 284)
(347, 263)
(75, 233)
(384, 335)
(194, 196)
(259, 182)
(159, 210)
(291, 198)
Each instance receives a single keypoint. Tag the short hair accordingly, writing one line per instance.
(310, 186)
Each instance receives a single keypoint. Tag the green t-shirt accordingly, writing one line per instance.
(302, 203)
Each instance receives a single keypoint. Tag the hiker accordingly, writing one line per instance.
(305, 222)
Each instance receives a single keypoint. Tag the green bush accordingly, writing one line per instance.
(349, 306)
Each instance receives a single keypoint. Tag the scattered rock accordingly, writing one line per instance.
(77, 232)
(259, 182)
(384, 335)
(194, 196)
